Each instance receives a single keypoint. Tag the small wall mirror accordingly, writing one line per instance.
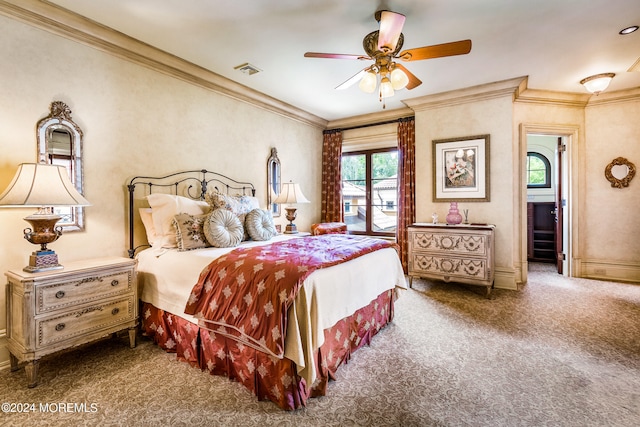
(274, 183)
(620, 172)
(60, 143)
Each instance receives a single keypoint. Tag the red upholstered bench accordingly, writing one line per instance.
(328, 228)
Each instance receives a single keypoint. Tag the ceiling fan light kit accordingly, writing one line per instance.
(383, 47)
(399, 79)
(386, 89)
(368, 82)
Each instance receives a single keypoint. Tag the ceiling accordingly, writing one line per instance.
(556, 43)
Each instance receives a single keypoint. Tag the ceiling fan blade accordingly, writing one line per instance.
(391, 24)
(353, 79)
(334, 55)
(461, 47)
(413, 80)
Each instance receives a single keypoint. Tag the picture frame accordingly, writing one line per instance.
(461, 169)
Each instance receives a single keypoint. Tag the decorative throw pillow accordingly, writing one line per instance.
(259, 224)
(239, 204)
(190, 231)
(328, 228)
(164, 208)
(223, 229)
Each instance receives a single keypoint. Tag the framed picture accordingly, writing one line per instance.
(461, 169)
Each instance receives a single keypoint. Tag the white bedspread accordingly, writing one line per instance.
(327, 295)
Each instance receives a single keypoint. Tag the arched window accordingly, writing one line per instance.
(538, 171)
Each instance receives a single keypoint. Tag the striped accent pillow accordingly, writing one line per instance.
(223, 229)
(259, 224)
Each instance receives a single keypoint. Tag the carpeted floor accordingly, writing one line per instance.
(561, 352)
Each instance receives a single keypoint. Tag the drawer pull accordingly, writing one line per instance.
(59, 327)
(115, 282)
(89, 280)
(115, 311)
(60, 294)
(88, 310)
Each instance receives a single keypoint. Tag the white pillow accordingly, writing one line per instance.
(259, 224)
(147, 220)
(164, 208)
(223, 229)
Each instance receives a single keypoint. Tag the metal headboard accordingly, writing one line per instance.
(193, 184)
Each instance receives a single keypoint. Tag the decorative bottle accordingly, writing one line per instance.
(454, 217)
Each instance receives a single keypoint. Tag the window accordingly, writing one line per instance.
(370, 191)
(538, 171)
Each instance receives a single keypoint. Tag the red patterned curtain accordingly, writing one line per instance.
(406, 184)
(331, 177)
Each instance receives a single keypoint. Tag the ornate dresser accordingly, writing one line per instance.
(55, 310)
(452, 253)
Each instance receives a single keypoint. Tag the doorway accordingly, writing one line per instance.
(547, 187)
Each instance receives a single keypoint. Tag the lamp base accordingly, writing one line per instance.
(291, 215)
(291, 229)
(42, 261)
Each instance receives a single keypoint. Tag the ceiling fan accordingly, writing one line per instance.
(384, 46)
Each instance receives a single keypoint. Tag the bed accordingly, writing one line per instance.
(302, 305)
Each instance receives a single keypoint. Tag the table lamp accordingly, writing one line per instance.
(42, 186)
(291, 194)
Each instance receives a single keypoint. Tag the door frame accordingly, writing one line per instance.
(570, 186)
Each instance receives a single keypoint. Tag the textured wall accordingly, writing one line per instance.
(135, 121)
(493, 117)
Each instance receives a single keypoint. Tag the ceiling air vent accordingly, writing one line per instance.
(248, 69)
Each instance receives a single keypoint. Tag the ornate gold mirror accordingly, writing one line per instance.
(60, 143)
(620, 172)
(274, 183)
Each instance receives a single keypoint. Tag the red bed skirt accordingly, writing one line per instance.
(267, 377)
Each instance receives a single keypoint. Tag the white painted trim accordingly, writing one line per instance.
(570, 134)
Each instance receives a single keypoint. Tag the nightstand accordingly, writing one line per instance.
(59, 309)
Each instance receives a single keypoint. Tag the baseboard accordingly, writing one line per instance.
(4, 353)
(608, 270)
(505, 278)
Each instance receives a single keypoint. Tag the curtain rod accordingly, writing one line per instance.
(402, 119)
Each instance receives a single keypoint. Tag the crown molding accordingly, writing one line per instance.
(67, 24)
(616, 97)
(564, 99)
(370, 119)
(510, 87)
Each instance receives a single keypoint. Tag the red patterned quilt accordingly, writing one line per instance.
(246, 294)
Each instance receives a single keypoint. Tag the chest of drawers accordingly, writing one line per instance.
(452, 253)
(55, 310)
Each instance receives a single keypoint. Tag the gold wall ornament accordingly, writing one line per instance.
(620, 172)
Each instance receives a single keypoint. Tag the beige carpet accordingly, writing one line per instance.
(562, 352)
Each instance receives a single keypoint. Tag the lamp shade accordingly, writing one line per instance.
(291, 194)
(41, 185)
(369, 82)
(399, 79)
(386, 89)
